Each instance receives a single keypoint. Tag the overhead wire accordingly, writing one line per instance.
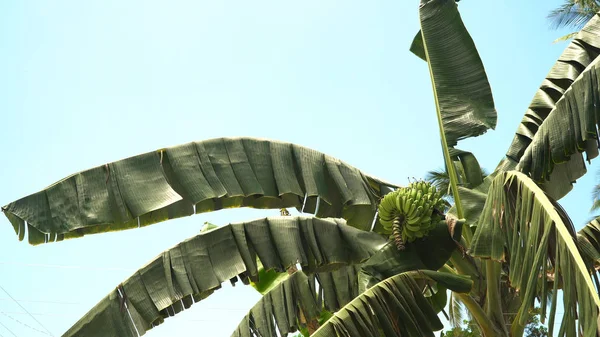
(30, 315)
(9, 330)
(58, 266)
(23, 324)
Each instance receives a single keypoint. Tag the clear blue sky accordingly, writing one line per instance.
(83, 83)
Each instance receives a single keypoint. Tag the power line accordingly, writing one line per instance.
(23, 324)
(36, 314)
(5, 327)
(30, 315)
(42, 301)
(58, 266)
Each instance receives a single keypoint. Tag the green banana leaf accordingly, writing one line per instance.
(393, 307)
(268, 279)
(194, 178)
(438, 299)
(417, 48)
(577, 57)
(468, 166)
(298, 300)
(588, 241)
(469, 172)
(192, 270)
(555, 155)
(520, 224)
(461, 87)
(473, 201)
(430, 252)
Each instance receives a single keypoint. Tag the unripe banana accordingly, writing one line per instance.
(409, 213)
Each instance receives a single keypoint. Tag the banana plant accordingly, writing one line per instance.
(380, 257)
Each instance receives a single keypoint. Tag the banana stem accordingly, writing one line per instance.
(485, 324)
(449, 163)
(397, 232)
(494, 302)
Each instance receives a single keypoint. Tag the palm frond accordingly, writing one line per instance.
(573, 13)
(456, 311)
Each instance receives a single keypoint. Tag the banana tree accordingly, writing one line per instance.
(380, 257)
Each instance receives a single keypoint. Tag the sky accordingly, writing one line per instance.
(83, 83)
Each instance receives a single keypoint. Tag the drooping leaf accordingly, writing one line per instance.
(461, 87)
(299, 300)
(577, 57)
(521, 225)
(439, 299)
(555, 155)
(471, 172)
(584, 48)
(588, 240)
(393, 307)
(194, 178)
(196, 267)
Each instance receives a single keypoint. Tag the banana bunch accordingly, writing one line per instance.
(409, 212)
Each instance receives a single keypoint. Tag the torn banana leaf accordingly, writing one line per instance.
(393, 307)
(194, 178)
(521, 225)
(298, 301)
(560, 122)
(588, 241)
(578, 55)
(461, 87)
(555, 156)
(195, 268)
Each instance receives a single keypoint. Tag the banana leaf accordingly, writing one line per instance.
(545, 149)
(555, 156)
(580, 52)
(521, 225)
(468, 166)
(588, 241)
(461, 87)
(195, 268)
(393, 307)
(417, 48)
(298, 301)
(194, 178)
